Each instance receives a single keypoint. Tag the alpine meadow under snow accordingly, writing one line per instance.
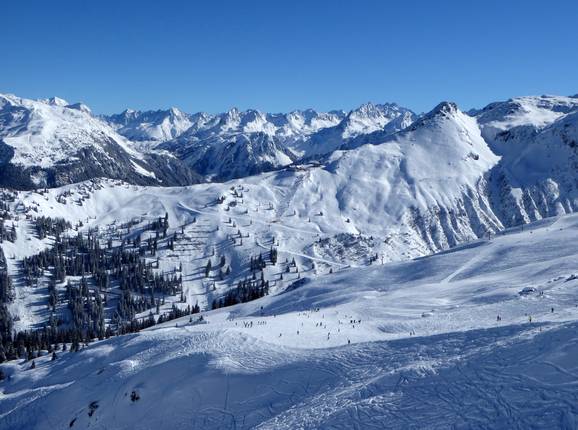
(366, 269)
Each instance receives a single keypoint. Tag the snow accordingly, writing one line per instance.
(54, 101)
(422, 190)
(533, 111)
(289, 136)
(367, 119)
(45, 133)
(459, 366)
(347, 342)
(151, 127)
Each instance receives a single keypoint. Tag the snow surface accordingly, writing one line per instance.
(534, 111)
(367, 119)
(45, 133)
(426, 349)
(403, 345)
(153, 126)
(434, 185)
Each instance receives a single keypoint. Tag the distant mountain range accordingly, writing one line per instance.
(315, 197)
(51, 142)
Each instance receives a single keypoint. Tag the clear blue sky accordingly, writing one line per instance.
(279, 55)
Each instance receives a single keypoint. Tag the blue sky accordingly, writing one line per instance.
(281, 55)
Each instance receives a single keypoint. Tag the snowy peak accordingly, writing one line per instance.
(513, 127)
(300, 124)
(370, 123)
(369, 117)
(265, 141)
(445, 109)
(81, 107)
(51, 144)
(43, 133)
(531, 112)
(259, 141)
(193, 138)
(231, 119)
(447, 125)
(432, 163)
(156, 126)
(54, 101)
(535, 110)
(176, 113)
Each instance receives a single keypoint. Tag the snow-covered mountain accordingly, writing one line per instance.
(50, 143)
(451, 177)
(241, 143)
(384, 188)
(452, 339)
(369, 122)
(417, 191)
(155, 126)
(533, 136)
(220, 147)
(298, 134)
(442, 178)
(532, 111)
(237, 156)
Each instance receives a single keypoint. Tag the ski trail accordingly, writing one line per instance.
(309, 257)
(313, 258)
(478, 257)
(245, 217)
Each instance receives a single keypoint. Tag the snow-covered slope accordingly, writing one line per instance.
(237, 144)
(288, 137)
(50, 143)
(535, 138)
(441, 341)
(446, 340)
(155, 126)
(532, 111)
(384, 119)
(232, 145)
(239, 156)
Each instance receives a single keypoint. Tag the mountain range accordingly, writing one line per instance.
(451, 175)
(232, 253)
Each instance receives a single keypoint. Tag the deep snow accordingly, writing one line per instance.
(426, 350)
(343, 344)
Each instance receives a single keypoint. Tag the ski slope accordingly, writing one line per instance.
(411, 344)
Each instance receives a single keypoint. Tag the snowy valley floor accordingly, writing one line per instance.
(405, 345)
